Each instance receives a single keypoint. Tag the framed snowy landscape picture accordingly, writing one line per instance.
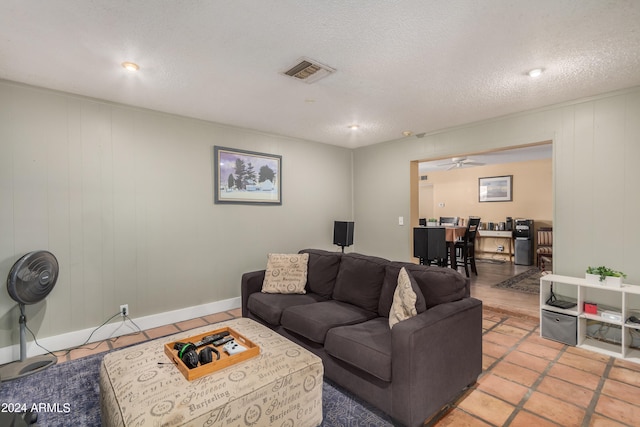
(247, 177)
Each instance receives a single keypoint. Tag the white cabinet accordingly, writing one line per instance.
(608, 331)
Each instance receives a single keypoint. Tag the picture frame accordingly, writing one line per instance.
(495, 189)
(246, 177)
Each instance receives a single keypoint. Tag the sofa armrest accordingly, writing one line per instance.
(251, 282)
(435, 355)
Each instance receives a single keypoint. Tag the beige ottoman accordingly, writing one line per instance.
(280, 387)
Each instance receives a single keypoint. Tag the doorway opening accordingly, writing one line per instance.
(450, 187)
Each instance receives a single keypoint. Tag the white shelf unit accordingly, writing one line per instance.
(624, 300)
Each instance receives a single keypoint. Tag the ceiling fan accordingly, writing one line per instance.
(459, 162)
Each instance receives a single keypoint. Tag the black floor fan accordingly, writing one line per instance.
(30, 280)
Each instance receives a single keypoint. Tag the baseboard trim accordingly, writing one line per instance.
(116, 329)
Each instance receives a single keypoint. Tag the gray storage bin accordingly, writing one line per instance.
(559, 327)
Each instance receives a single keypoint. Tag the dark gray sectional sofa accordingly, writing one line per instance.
(411, 371)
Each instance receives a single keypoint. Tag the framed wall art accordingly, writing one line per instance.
(247, 177)
(496, 189)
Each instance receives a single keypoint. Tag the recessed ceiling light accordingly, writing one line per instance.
(535, 72)
(131, 66)
(407, 133)
(354, 127)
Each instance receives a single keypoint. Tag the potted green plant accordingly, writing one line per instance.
(604, 276)
(432, 222)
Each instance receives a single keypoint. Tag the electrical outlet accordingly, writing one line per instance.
(124, 310)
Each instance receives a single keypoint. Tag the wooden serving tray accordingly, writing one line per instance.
(225, 360)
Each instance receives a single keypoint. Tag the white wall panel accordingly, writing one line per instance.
(75, 253)
(563, 181)
(54, 125)
(95, 208)
(576, 170)
(631, 184)
(125, 266)
(8, 321)
(608, 168)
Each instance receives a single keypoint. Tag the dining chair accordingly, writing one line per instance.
(545, 246)
(466, 247)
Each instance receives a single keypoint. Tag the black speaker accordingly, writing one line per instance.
(343, 233)
(429, 243)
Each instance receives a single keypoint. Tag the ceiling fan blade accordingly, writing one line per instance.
(459, 162)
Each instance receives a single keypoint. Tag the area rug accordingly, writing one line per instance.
(528, 282)
(68, 394)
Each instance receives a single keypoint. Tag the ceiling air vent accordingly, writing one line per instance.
(308, 70)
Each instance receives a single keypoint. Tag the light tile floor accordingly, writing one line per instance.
(531, 381)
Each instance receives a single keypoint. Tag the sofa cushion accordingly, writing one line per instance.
(389, 284)
(407, 299)
(360, 280)
(366, 346)
(286, 274)
(269, 307)
(438, 284)
(312, 321)
(322, 272)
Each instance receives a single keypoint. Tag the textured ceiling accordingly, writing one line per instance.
(416, 65)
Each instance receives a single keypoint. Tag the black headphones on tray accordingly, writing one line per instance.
(189, 355)
(188, 352)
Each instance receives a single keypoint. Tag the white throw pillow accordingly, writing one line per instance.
(286, 274)
(408, 300)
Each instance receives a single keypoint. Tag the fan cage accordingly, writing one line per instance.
(32, 277)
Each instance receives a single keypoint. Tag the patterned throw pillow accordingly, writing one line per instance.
(408, 300)
(286, 274)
